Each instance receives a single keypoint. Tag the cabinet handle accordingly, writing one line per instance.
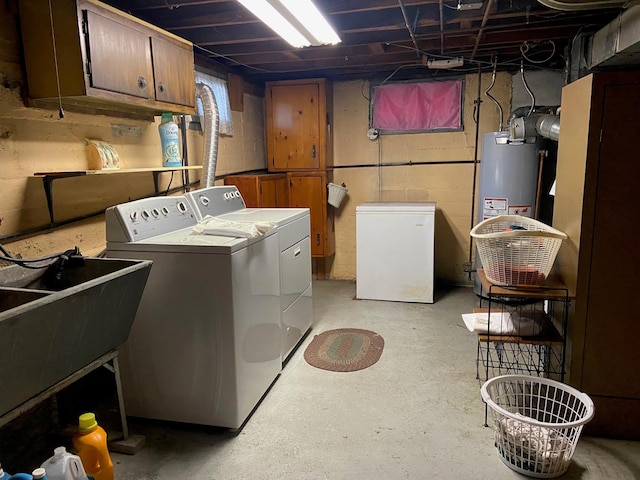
(318, 239)
(142, 83)
(313, 151)
(161, 88)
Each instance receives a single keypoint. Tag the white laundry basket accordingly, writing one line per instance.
(516, 250)
(536, 421)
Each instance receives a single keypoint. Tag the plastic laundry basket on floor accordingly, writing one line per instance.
(537, 422)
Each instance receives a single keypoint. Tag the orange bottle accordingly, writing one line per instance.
(91, 444)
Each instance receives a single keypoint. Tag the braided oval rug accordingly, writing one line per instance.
(344, 349)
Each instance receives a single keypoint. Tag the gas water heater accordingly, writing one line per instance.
(508, 179)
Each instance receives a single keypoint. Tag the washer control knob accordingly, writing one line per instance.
(165, 211)
(182, 208)
(133, 215)
(204, 200)
(145, 214)
(155, 212)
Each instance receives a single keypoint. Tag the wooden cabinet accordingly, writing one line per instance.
(262, 190)
(300, 142)
(309, 189)
(596, 205)
(298, 114)
(104, 60)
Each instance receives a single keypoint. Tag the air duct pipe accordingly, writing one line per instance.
(211, 127)
(547, 126)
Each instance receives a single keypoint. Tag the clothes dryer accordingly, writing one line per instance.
(293, 229)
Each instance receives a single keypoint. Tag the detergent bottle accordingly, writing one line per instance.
(64, 466)
(37, 474)
(91, 443)
(169, 138)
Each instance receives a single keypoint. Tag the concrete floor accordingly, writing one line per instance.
(415, 414)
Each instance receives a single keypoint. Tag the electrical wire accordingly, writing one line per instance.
(55, 61)
(524, 48)
(493, 99)
(362, 91)
(219, 55)
(169, 186)
(26, 263)
(526, 86)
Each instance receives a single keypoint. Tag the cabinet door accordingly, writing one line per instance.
(118, 57)
(282, 192)
(269, 192)
(294, 137)
(310, 191)
(173, 72)
(611, 361)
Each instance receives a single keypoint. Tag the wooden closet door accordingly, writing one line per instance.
(295, 125)
(611, 361)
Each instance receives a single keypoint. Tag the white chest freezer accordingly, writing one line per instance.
(394, 250)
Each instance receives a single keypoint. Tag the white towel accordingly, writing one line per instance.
(210, 225)
(527, 323)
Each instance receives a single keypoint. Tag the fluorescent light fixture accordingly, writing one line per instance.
(299, 22)
(445, 63)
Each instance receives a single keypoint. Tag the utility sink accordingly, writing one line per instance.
(55, 321)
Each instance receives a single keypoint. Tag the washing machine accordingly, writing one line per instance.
(293, 226)
(205, 345)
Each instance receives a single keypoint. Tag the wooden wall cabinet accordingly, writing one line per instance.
(597, 205)
(104, 60)
(298, 117)
(309, 190)
(262, 190)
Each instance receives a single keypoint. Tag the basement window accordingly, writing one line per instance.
(221, 94)
(417, 107)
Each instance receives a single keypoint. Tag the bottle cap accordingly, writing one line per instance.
(39, 473)
(59, 452)
(87, 423)
(167, 116)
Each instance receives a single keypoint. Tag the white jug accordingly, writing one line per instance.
(64, 466)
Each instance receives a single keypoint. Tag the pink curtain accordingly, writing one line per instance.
(418, 106)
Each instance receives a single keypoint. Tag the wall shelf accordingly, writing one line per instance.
(49, 177)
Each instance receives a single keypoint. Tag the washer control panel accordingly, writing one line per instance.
(148, 217)
(216, 201)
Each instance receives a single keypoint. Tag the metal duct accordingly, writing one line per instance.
(618, 43)
(211, 127)
(548, 126)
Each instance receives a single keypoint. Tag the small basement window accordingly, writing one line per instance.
(417, 107)
(221, 94)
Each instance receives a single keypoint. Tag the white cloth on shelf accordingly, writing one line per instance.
(526, 323)
(210, 225)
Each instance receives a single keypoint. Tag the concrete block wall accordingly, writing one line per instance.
(448, 181)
